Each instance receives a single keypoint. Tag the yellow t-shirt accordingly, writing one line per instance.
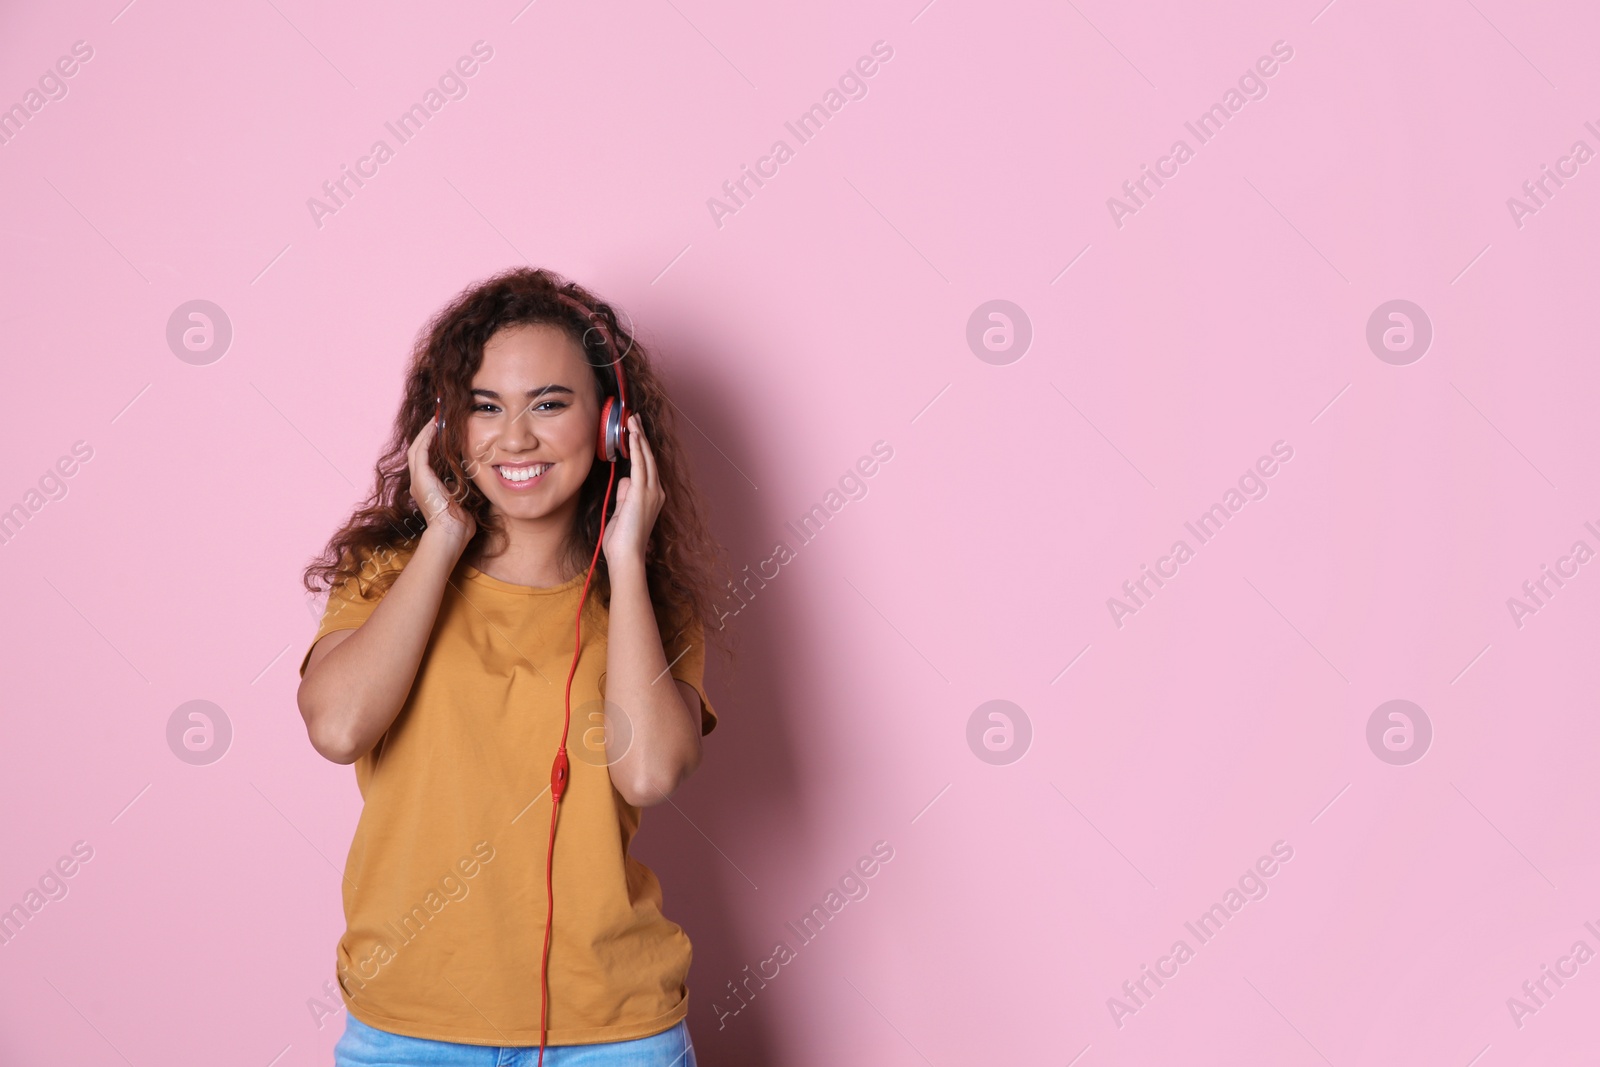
(444, 886)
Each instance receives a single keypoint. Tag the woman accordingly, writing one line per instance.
(451, 662)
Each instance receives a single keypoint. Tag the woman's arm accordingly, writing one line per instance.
(664, 736)
(664, 746)
(357, 681)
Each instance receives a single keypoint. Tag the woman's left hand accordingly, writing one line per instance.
(639, 500)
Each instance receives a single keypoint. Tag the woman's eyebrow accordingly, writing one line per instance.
(540, 391)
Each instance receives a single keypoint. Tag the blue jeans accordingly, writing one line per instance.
(364, 1046)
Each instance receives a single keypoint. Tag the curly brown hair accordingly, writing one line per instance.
(683, 562)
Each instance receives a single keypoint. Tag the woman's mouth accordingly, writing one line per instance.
(521, 477)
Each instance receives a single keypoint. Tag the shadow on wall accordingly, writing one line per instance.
(710, 846)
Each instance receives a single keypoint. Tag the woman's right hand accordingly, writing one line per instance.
(445, 514)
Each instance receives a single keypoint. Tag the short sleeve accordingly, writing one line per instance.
(686, 651)
(350, 604)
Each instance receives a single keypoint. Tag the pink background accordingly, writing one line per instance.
(829, 313)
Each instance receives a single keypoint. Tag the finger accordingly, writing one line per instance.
(420, 444)
(643, 444)
(650, 462)
(417, 467)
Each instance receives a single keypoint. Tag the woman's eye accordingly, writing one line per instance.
(554, 405)
(485, 406)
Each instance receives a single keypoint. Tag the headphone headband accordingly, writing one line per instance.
(597, 322)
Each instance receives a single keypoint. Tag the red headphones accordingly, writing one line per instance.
(614, 411)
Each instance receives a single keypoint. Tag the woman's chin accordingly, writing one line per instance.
(519, 507)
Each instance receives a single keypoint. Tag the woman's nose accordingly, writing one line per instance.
(518, 432)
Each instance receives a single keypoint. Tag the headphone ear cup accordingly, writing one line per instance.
(606, 447)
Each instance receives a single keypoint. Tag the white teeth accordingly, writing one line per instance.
(522, 474)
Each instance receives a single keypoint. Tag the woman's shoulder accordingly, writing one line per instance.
(369, 572)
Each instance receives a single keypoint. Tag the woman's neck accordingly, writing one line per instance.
(529, 552)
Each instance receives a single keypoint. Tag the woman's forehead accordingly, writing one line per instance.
(530, 349)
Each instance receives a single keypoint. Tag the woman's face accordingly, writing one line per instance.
(533, 423)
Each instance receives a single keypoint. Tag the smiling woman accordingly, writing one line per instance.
(459, 603)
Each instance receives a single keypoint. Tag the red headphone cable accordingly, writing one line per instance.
(558, 775)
